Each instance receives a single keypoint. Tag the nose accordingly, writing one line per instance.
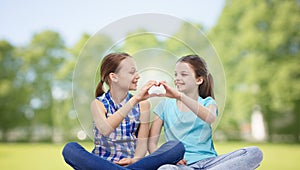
(176, 78)
(137, 76)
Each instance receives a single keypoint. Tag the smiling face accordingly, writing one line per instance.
(126, 75)
(185, 79)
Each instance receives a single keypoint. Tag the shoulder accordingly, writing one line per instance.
(96, 105)
(144, 111)
(144, 104)
(207, 101)
(103, 99)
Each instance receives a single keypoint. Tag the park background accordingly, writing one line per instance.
(258, 43)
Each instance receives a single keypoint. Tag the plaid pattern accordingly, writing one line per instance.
(121, 143)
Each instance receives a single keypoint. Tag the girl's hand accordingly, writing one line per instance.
(126, 161)
(143, 92)
(182, 162)
(170, 91)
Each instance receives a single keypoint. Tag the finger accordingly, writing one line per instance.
(164, 81)
(152, 82)
(179, 163)
(149, 84)
(153, 95)
(122, 162)
(161, 95)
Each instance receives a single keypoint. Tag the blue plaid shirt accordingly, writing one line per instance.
(121, 143)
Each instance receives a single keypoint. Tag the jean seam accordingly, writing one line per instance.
(242, 154)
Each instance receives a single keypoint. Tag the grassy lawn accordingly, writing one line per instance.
(276, 156)
(48, 156)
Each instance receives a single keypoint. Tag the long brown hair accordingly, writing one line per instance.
(109, 64)
(199, 66)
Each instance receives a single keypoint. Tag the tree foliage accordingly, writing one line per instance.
(259, 44)
(45, 86)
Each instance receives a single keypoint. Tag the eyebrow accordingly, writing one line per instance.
(182, 71)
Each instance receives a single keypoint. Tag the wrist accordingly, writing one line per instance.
(179, 96)
(135, 159)
(133, 101)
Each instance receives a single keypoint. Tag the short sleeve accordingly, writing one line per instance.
(210, 101)
(159, 109)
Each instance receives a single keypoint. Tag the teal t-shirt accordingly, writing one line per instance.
(193, 132)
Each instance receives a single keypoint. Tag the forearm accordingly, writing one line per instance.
(152, 144)
(141, 148)
(115, 119)
(202, 112)
(155, 131)
(108, 125)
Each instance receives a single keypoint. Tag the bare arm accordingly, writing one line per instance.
(208, 114)
(141, 145)
(142, 140)
(107, 125)
(154, 134)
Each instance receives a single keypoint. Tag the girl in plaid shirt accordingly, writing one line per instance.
(121, 123)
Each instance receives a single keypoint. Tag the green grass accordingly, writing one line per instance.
(276, 156)
(48, 156)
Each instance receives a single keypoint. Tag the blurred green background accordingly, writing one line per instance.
(258, 43)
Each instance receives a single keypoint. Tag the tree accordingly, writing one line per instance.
(11, 90)
(41, 59)
(256, 39)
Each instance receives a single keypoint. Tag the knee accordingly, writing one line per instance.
(69, 147)
(255, 153)
(177, 145)
(166, 167)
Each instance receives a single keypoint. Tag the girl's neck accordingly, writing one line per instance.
(181, 106)
(118, 95)
(194, 95)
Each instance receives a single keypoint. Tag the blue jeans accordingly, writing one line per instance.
(246, 159)
(80, 159)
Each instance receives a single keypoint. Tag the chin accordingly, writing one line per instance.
(133, 88)
(179, 88)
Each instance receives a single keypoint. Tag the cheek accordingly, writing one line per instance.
(130, 79)
(191, 81)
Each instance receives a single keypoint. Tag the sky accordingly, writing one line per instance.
(20, 20)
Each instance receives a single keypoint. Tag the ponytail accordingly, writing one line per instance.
(99, 90)
(109, 64)
(198, 64)
(206, 88)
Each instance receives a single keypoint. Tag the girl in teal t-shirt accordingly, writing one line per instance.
(187, 115)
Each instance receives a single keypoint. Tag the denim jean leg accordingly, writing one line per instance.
(175, 167)
(169, 153)
(78, 158)
(247, 158)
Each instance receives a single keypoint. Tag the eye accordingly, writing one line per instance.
(133, 71)
(184, 74)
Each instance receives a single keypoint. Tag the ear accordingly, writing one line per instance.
(113, 77)
(199, 80)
